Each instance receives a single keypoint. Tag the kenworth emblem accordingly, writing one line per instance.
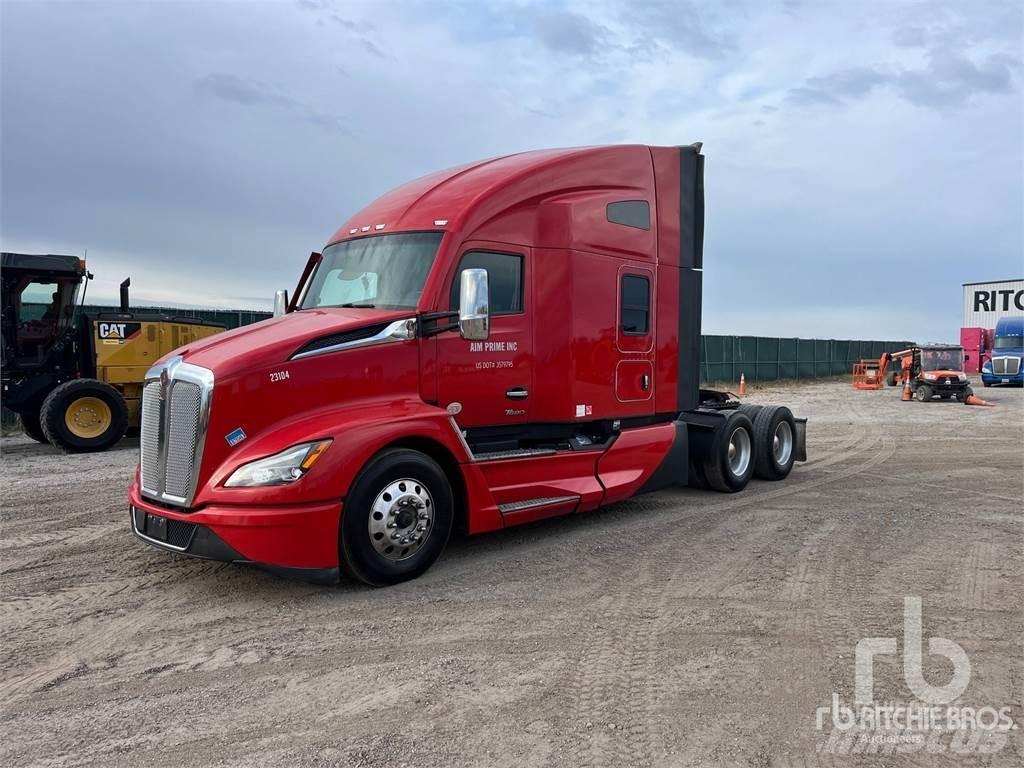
(165, 384)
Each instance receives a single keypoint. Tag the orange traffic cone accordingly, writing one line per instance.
(743, 386)
(972, 400)
(907, 394)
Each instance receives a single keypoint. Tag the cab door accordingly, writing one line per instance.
(489, 383)
(634, 341)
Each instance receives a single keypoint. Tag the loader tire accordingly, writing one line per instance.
(774, 443)
(32, 428)
(731, 464)
(890, 378)
(84, 415)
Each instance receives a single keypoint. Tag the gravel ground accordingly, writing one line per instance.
(680, 628)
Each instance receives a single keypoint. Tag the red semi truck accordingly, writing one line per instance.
(486, 346)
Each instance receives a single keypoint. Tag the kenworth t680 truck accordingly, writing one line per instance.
(1004, 366)
(490, 345)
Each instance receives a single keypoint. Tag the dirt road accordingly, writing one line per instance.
(681, 628)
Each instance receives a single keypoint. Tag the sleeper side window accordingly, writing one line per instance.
(636, 305)
(630, 213)
(504, 280)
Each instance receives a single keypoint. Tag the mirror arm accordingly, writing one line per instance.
(432, 323)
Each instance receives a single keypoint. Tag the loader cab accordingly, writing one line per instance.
(40, 293)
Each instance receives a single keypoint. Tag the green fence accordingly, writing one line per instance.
(763, 358)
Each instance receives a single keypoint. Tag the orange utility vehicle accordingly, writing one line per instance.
(929, 372)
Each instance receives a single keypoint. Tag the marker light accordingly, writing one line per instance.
(440, 222)
(280, 469)
(353, 230)
(366, 228)
(378, 226)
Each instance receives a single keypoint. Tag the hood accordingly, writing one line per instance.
(274, 341)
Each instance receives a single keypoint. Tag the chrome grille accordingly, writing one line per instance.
(174, 413)
(1006, 366)
(149, 438)
(182, 434)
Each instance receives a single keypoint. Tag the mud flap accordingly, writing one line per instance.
(800, 439)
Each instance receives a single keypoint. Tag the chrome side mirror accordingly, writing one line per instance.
(280, 303)
(474, 305)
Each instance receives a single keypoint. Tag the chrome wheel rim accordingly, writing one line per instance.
(739, 451)
(401, 519)
(782, 443)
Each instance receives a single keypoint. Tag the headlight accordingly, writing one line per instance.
(929, 376)
(280, 469)
(987, 366)
(963, 377)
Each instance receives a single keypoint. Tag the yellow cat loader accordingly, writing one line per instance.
(75, 378)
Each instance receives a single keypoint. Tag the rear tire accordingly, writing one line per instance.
(924, 393)
(83, 415)
(32, 428)
(409, 489)
(774, 443)
(731, 464)
(891, 378)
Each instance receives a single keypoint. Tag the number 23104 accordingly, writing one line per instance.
(279, 376)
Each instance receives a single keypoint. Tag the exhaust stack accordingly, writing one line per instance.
(124, 293)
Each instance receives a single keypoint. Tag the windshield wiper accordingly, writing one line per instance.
(355, 305)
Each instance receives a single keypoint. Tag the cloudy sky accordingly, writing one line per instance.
(864, 158)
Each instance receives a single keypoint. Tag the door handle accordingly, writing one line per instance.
(645, 382)
(517, 393)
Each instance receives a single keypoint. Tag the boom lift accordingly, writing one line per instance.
(76, 379)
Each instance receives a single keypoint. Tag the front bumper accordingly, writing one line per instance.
(944, 388)
(299, 541)
(994, 378)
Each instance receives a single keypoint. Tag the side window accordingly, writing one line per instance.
(504, 280)
(630, 213)
(636, 305)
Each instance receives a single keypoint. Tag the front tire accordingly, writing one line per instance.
(396, 519)
(924, 393)
(32, 428)
(731, 464)
(84, 415)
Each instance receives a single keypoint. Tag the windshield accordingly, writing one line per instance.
(386, 272)
(942, 359)
(1008, 342)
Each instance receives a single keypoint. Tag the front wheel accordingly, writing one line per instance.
(397, 518)
(84, 415)
(923, 393)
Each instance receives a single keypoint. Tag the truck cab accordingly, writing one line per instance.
(1004, 365)
(493, 344)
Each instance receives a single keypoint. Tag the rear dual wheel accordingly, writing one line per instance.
(730, 464)
(774, 440)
